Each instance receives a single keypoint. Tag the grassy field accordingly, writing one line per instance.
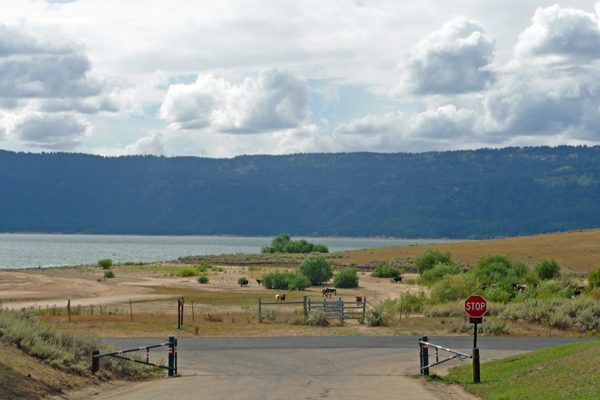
(571, 371)
(574, 251)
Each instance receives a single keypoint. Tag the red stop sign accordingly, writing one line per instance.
(476, 306)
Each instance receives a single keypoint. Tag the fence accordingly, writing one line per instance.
(261, 303)
(172, 367)
(424, 355)
(336, 309)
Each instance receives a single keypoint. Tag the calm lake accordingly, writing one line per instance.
(39, 250)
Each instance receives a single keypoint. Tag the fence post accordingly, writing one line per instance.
(305, 310)
(425, 356)
(95, 361)
(175, 355)
(259, 310)
(182, 301)
(131, 310)
(364, 307)
(178, 315)
(171, 355)
(193, 320)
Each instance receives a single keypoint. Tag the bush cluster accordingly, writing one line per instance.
(285, 280)
(106, 263)
(59, 350)
(429, 258)
(386, 271)
(346, 279)
(285, 244)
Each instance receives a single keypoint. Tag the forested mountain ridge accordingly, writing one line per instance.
(460, 194)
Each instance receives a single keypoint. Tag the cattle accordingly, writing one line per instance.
(359, 299)
(243, 282)
(397, 279)
(329, 292)
(519, 287)
(280, 297)
(259, 281)
(578, 290)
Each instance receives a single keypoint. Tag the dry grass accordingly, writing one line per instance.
(26, 378)
(577, 251)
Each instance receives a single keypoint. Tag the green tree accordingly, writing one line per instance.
(316, 269)
(495, 269)
(429, 258)
(106, 263)
(547, 269)
(346, 279)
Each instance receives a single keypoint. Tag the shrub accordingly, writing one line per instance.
(454, 288)
(242, 281)
(299, 282)
(495, 269)
(106, 263)
(203, 279)
(317, 318)
(317, 270)
(386, 271)
(213, 317)
(186, 272)
(201, 268)
(58, 349)
(270, 313)
(377, 316)
(439, 271)
(594, 278)
(109, 274)
(549, 289)
(547, 269)
(346, 279)
(493, 327)
(429, 258)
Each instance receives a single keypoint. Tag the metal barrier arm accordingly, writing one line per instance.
(144, 362)
(136, 349)
(456, 354)
(445, 349)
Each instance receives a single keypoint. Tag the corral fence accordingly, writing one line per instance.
(424, 355)
(172, 367)
(333, 309)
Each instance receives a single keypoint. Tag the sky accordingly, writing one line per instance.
(233, 77)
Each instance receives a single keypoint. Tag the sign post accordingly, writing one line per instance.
(476, 307)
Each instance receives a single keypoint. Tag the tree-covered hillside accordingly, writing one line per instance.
(461, 194)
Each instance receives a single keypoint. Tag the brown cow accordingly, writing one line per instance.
(280, 297)
(359, 299)
(329, 292)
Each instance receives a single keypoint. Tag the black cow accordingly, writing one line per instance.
(397, 279)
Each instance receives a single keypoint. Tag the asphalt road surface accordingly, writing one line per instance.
(359, 367)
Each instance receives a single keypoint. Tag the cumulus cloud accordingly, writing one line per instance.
(278, 99)
(560, 35)
(452, 60)
(62, 131)
(552, 85)
(42, 67)
(442, 127)
(150, 145)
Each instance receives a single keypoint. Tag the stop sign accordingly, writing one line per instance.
(476, 306)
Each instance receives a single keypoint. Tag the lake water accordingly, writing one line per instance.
(39, 250)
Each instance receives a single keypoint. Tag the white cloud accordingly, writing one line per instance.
(451, 60)
(42, 67)
(153, 145)
(62, 131)
(560, 35)
(277, 100)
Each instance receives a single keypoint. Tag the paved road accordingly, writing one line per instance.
(309, 367)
